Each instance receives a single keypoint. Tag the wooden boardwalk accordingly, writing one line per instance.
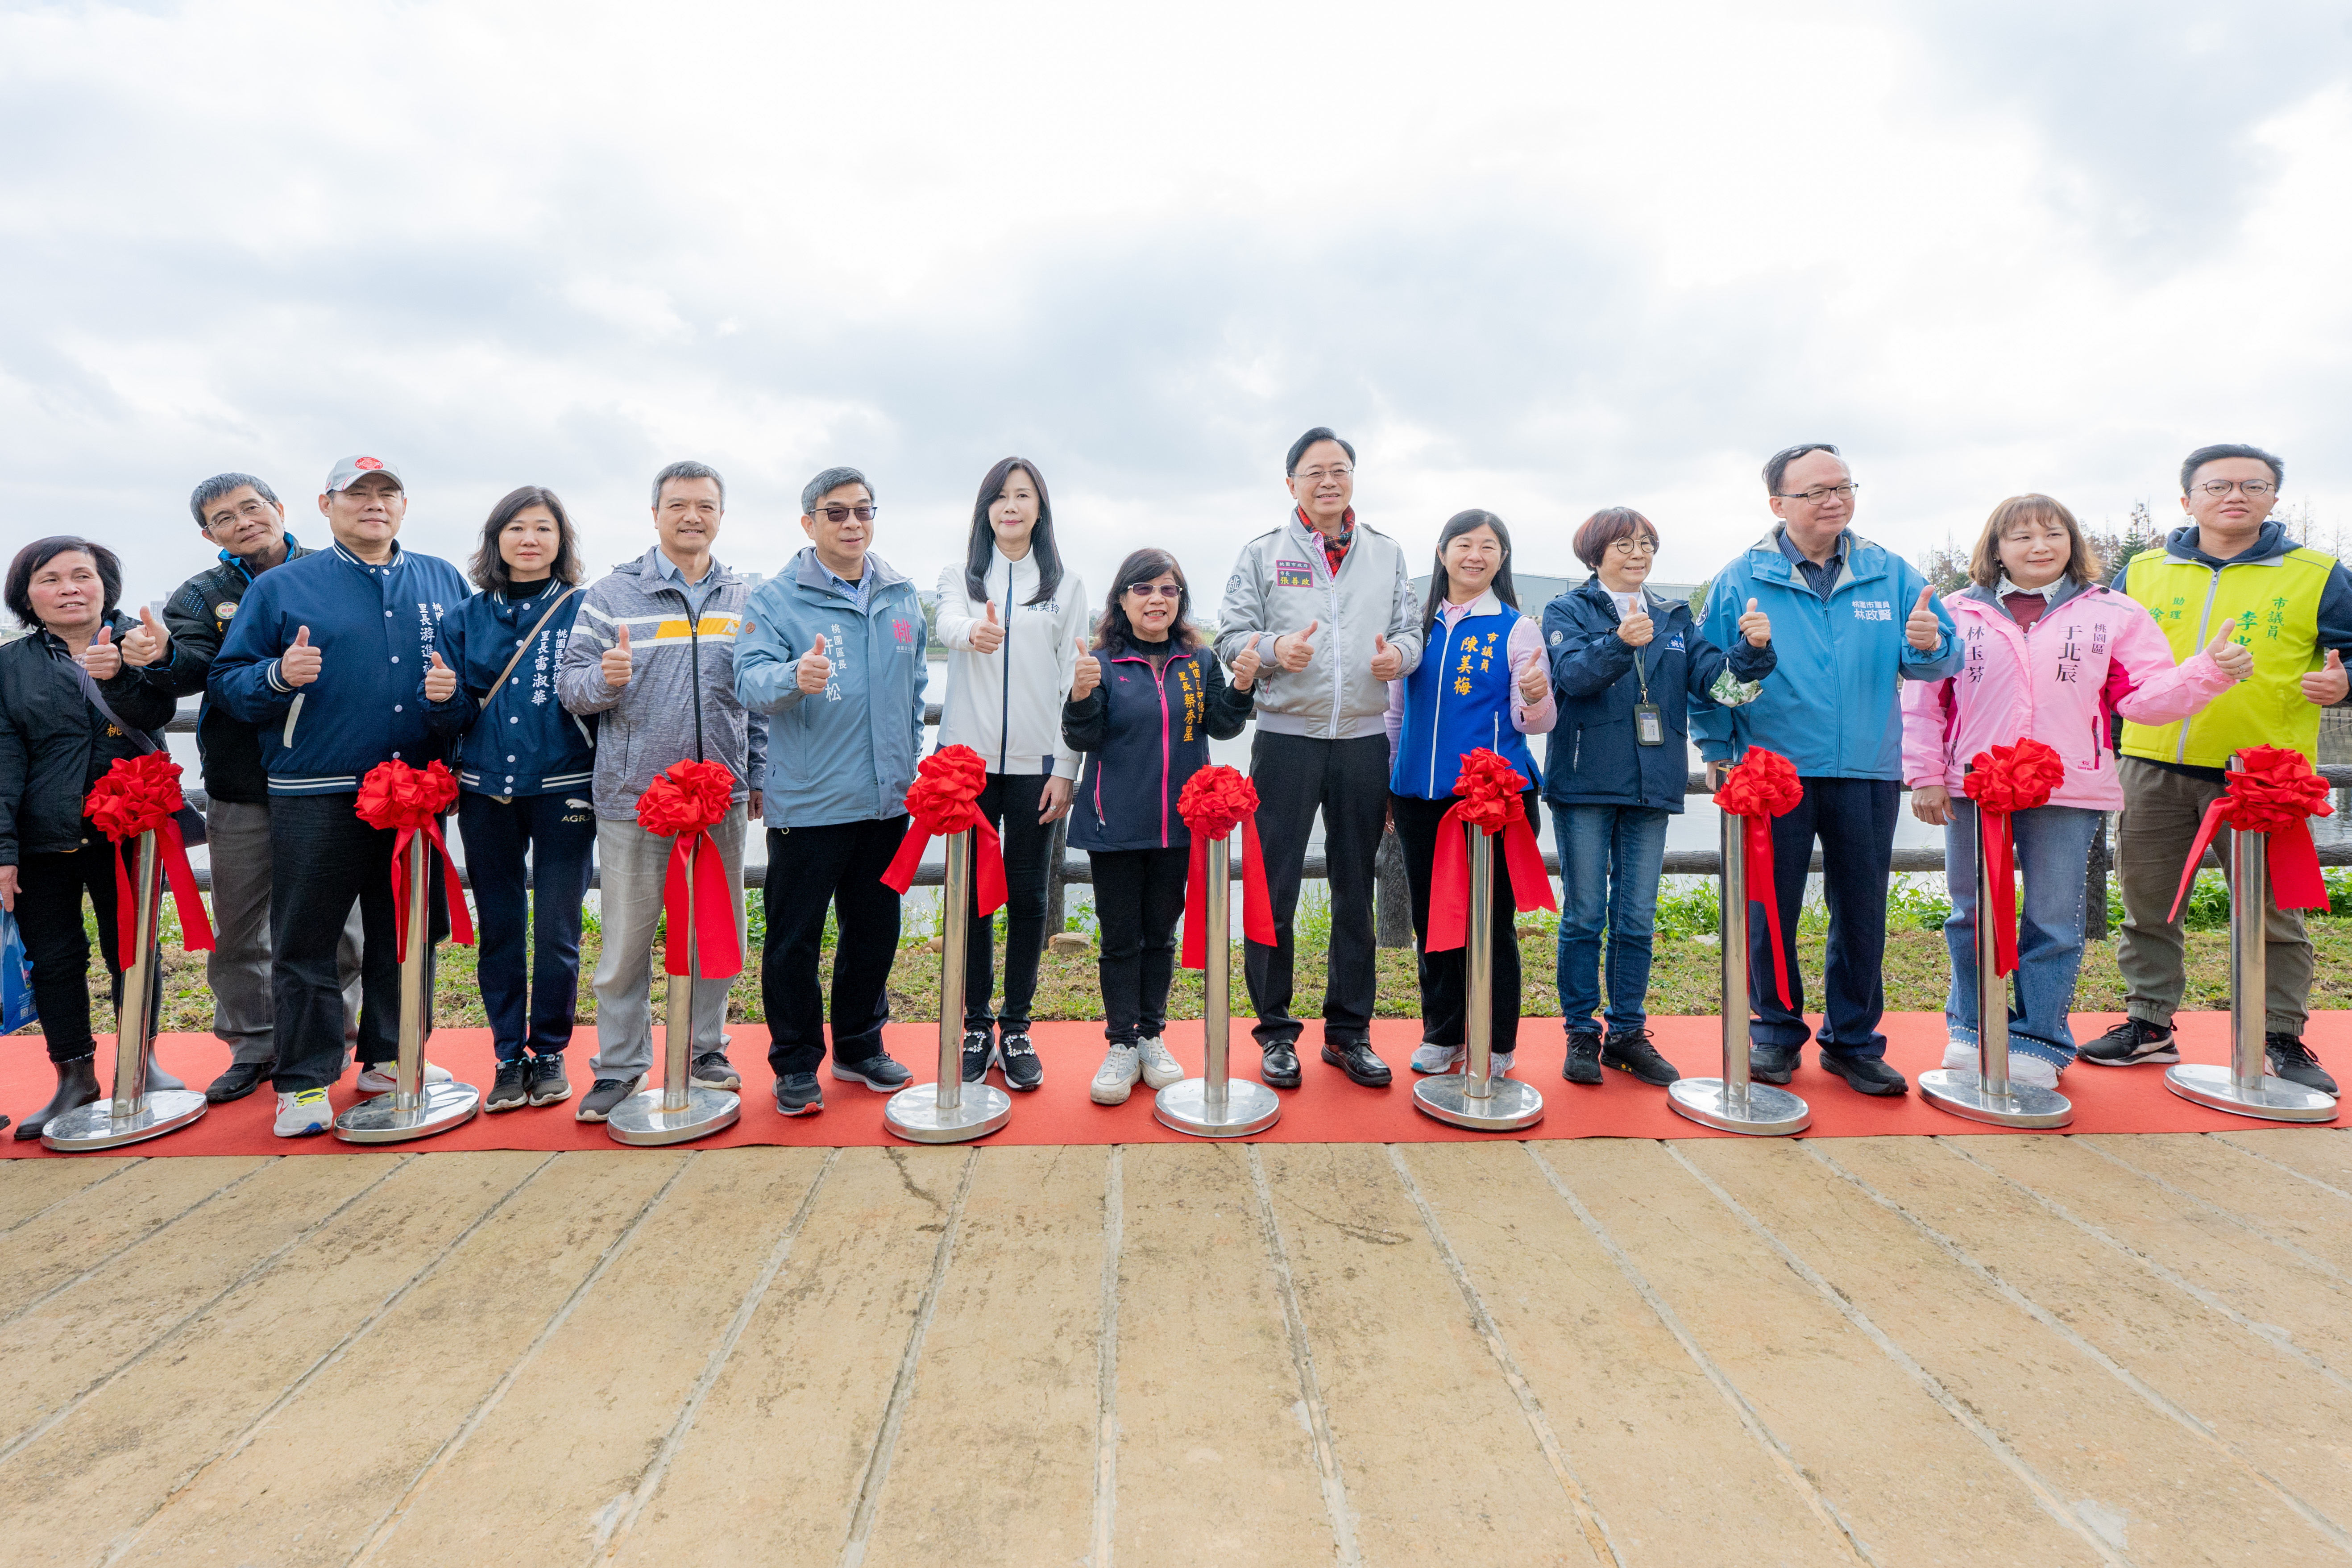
(1991, 1350)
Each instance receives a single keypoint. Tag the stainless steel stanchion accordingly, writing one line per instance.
(2244, 1088)
(134, 1113)
(415, 1109)
(1988, 1094)
(1217, 1105)
(1478, 1098)
(950, 1110)
(1731, 1102)
(677, 1110)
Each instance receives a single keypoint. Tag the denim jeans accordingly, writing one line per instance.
(1610, 858)
(2054, 846)
(558, 831)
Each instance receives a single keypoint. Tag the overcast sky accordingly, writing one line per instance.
(1540, 258)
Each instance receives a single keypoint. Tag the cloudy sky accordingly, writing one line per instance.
(1535, 257)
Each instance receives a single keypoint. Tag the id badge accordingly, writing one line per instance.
(1649, 725)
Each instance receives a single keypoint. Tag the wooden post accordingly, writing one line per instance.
(1392, 899)
(1056, 922)
(2094, 885)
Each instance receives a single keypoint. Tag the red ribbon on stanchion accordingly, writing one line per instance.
(1489, 787)
(1762, 786)
(942, 800)
(394, 795)
(683, 804)
(137, 794)
(2276, 794)
(1211, 802)
(2006, 780)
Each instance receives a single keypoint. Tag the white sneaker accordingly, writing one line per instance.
(1427, 1058)
(303, 1114)
(1498, 1063)
(1159, 1069)
(1959, 1056)
(1121, 1067)
(377, 1080)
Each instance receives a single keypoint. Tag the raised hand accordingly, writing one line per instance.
(1637, 628)
(1534, 677)
(1086, 675)
(616, 664)
(144, 645)
(1756, 625)
(814, 671)
(2327, 684)
(1295, 650)
(1923, 630)
(299, 663)
(988, 635)
(101, 657)
(440, 681)
(2236, 659)
(1387, 662)
(1247, 663)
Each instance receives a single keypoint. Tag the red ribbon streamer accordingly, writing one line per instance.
(1489, 787)
(2276, 794)
(2003, 780)
(1761, 787)
(1213, 802)
(395, 797)
(943, 799)
(684, 801)
(139, 794)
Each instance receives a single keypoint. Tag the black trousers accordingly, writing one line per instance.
(1347, 780)
(322, 859)
(1855, 820)
(810, 870)
(1443, 975)
(1138, 899)
(1011, 801)
(49, 889)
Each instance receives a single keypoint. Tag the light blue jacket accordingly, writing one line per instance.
(1833, 704)
(848, 755)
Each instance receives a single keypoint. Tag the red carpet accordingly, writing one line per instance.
(1326, 1109)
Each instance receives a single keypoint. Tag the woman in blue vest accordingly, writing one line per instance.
(1482, 684)
(1144, 704)
(523, 774)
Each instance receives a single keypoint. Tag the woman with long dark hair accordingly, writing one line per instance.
(1144, 704)
(73, 698)
(524, 767)
(1013, 620)
(1482, 684)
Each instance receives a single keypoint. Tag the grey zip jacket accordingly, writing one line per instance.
(1282, 581)
(679, 703)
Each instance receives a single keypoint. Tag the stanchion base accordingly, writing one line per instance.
(914, 1113)
(640, 1119)
(441, 1107)
(1961, 1092)
(1250, 1107)
(1510, 1106)
(93, 1126)
(1768, 1112)
(2278, 1099)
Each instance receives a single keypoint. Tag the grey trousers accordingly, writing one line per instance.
(2161, 810)
(630, 864)
(237, 837)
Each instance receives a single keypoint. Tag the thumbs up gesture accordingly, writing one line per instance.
(988, 635)
(1086, 675)
(146, 645)
(1923, 630)
(101, 657)
(1637, 629)
(2326, 685)
(616, 662)
(1388, 663)
(2236, 659)
(1295, 650)
(440, 681)
(298, 665)
(813, 672)
(1245, 666)
(1535, 676)
(1756, 625)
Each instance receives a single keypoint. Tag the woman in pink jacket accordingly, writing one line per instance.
(2047, 652)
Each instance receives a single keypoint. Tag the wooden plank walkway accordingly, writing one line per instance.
(2086, 1349)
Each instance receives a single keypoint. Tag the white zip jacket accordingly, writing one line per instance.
(1016, 725)
(1282, 583)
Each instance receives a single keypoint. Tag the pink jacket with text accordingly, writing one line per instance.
(2095, 649)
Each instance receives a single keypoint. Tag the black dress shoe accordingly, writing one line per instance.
(241, 1079)
(76, 1086)
(1868, 1074)
(1279, 1067)
(1359, 1062)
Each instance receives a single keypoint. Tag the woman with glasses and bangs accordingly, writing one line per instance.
(1144, 704)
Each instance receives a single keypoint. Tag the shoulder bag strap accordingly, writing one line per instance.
(524, 646)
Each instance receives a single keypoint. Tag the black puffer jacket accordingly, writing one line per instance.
(54, 744)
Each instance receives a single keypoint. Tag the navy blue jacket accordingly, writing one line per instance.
(523, 742)
(1144, 735)
(375, 628)
(1593, 758)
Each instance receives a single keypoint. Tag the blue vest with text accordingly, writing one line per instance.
(1456, 700)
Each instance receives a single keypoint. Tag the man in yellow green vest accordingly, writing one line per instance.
(2294, 608)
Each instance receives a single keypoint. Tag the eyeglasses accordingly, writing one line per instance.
(1149, 591)
(843, 513)
(1634, 545)
(2254, 488)
(1317, 475)
(1821, 493)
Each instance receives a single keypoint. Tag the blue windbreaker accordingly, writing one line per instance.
(523, 742)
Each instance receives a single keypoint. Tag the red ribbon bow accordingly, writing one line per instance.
(2002, 781)
(139, 794)
(1213, 801)
(1761, 787)
(942, 800)
(1489, 787)
(395, 796)
(683, 804)
(2275, 792)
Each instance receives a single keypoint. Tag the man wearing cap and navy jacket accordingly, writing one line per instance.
(327, 656)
